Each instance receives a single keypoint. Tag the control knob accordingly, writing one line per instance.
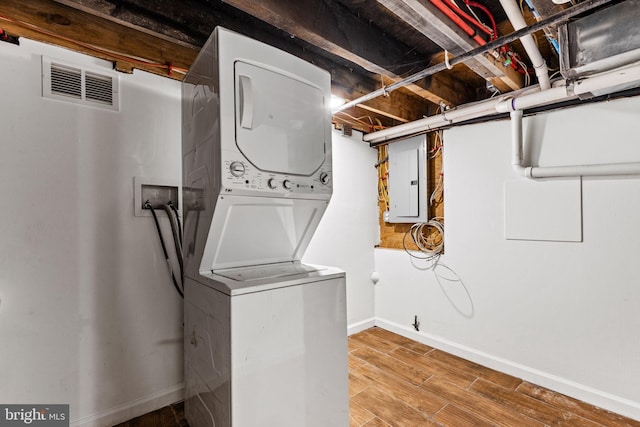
(287, 184)
(237, 169)
(324, 178)
(272, 183)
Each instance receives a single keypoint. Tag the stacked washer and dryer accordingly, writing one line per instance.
(265, 334)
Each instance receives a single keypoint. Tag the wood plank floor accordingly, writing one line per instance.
(394, 381)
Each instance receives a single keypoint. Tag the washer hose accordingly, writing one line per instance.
(147, 205)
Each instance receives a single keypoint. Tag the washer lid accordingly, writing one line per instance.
(280, 120)
(269, 271)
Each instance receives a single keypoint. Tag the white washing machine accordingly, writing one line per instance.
(265, 335)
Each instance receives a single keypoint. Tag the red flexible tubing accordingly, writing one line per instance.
(468, 17)
(458, 21)
(486, 12)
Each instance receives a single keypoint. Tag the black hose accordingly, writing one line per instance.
(175, 211)
(175, 228)
(164, 248)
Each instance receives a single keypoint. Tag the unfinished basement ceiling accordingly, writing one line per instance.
(365, 44)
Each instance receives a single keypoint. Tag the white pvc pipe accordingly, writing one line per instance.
(535, 99)
(609, 169)
(517, 144)
(449, 117)
(526, 98)
(514, 14)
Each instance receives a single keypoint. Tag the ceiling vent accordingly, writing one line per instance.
(72, 83)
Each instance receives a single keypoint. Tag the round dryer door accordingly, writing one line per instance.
(281, 120)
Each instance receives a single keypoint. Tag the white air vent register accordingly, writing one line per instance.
(73, 83)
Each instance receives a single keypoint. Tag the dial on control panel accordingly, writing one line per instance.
(324, 178)
(272, 183)
(237, 169)
(287, 184)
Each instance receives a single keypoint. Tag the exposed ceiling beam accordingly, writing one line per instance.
(331, 27)
(54, 23)
(426, 18)
(90, 27)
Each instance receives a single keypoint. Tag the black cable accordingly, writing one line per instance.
(175, 229)
(147, 205)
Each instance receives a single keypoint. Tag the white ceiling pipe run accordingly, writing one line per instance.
(544, 97)
(526, 98)
(469, 111)
(434, 122)
(514, 14)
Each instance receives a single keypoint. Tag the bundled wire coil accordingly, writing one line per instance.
(428, 242)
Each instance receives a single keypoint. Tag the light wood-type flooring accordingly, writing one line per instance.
(394, 381)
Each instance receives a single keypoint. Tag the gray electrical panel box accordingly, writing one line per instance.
(408, 181)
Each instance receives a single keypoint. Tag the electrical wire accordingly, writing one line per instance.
(147, 205)
(358, 121)
(383, 175)
(429, 244)
(436, 195)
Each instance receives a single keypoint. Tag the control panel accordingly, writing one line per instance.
(242, 177)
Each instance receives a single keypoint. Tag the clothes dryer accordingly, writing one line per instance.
(265, 335)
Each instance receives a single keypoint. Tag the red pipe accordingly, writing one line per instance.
(459, 21)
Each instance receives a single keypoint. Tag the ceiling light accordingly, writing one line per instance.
(336, 101)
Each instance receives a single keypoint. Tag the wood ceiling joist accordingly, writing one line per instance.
(50, 22)
(77, 26)
(331, 27)
(426, 18)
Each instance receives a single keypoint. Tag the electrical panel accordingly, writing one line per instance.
(408, 181)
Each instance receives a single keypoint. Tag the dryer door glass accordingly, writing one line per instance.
(281, 121)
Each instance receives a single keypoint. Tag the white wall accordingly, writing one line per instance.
(349, 228)
(88, 315)
(563, 315)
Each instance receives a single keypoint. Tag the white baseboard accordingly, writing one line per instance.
(587, 394)
(354, 328)
(133, 409)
